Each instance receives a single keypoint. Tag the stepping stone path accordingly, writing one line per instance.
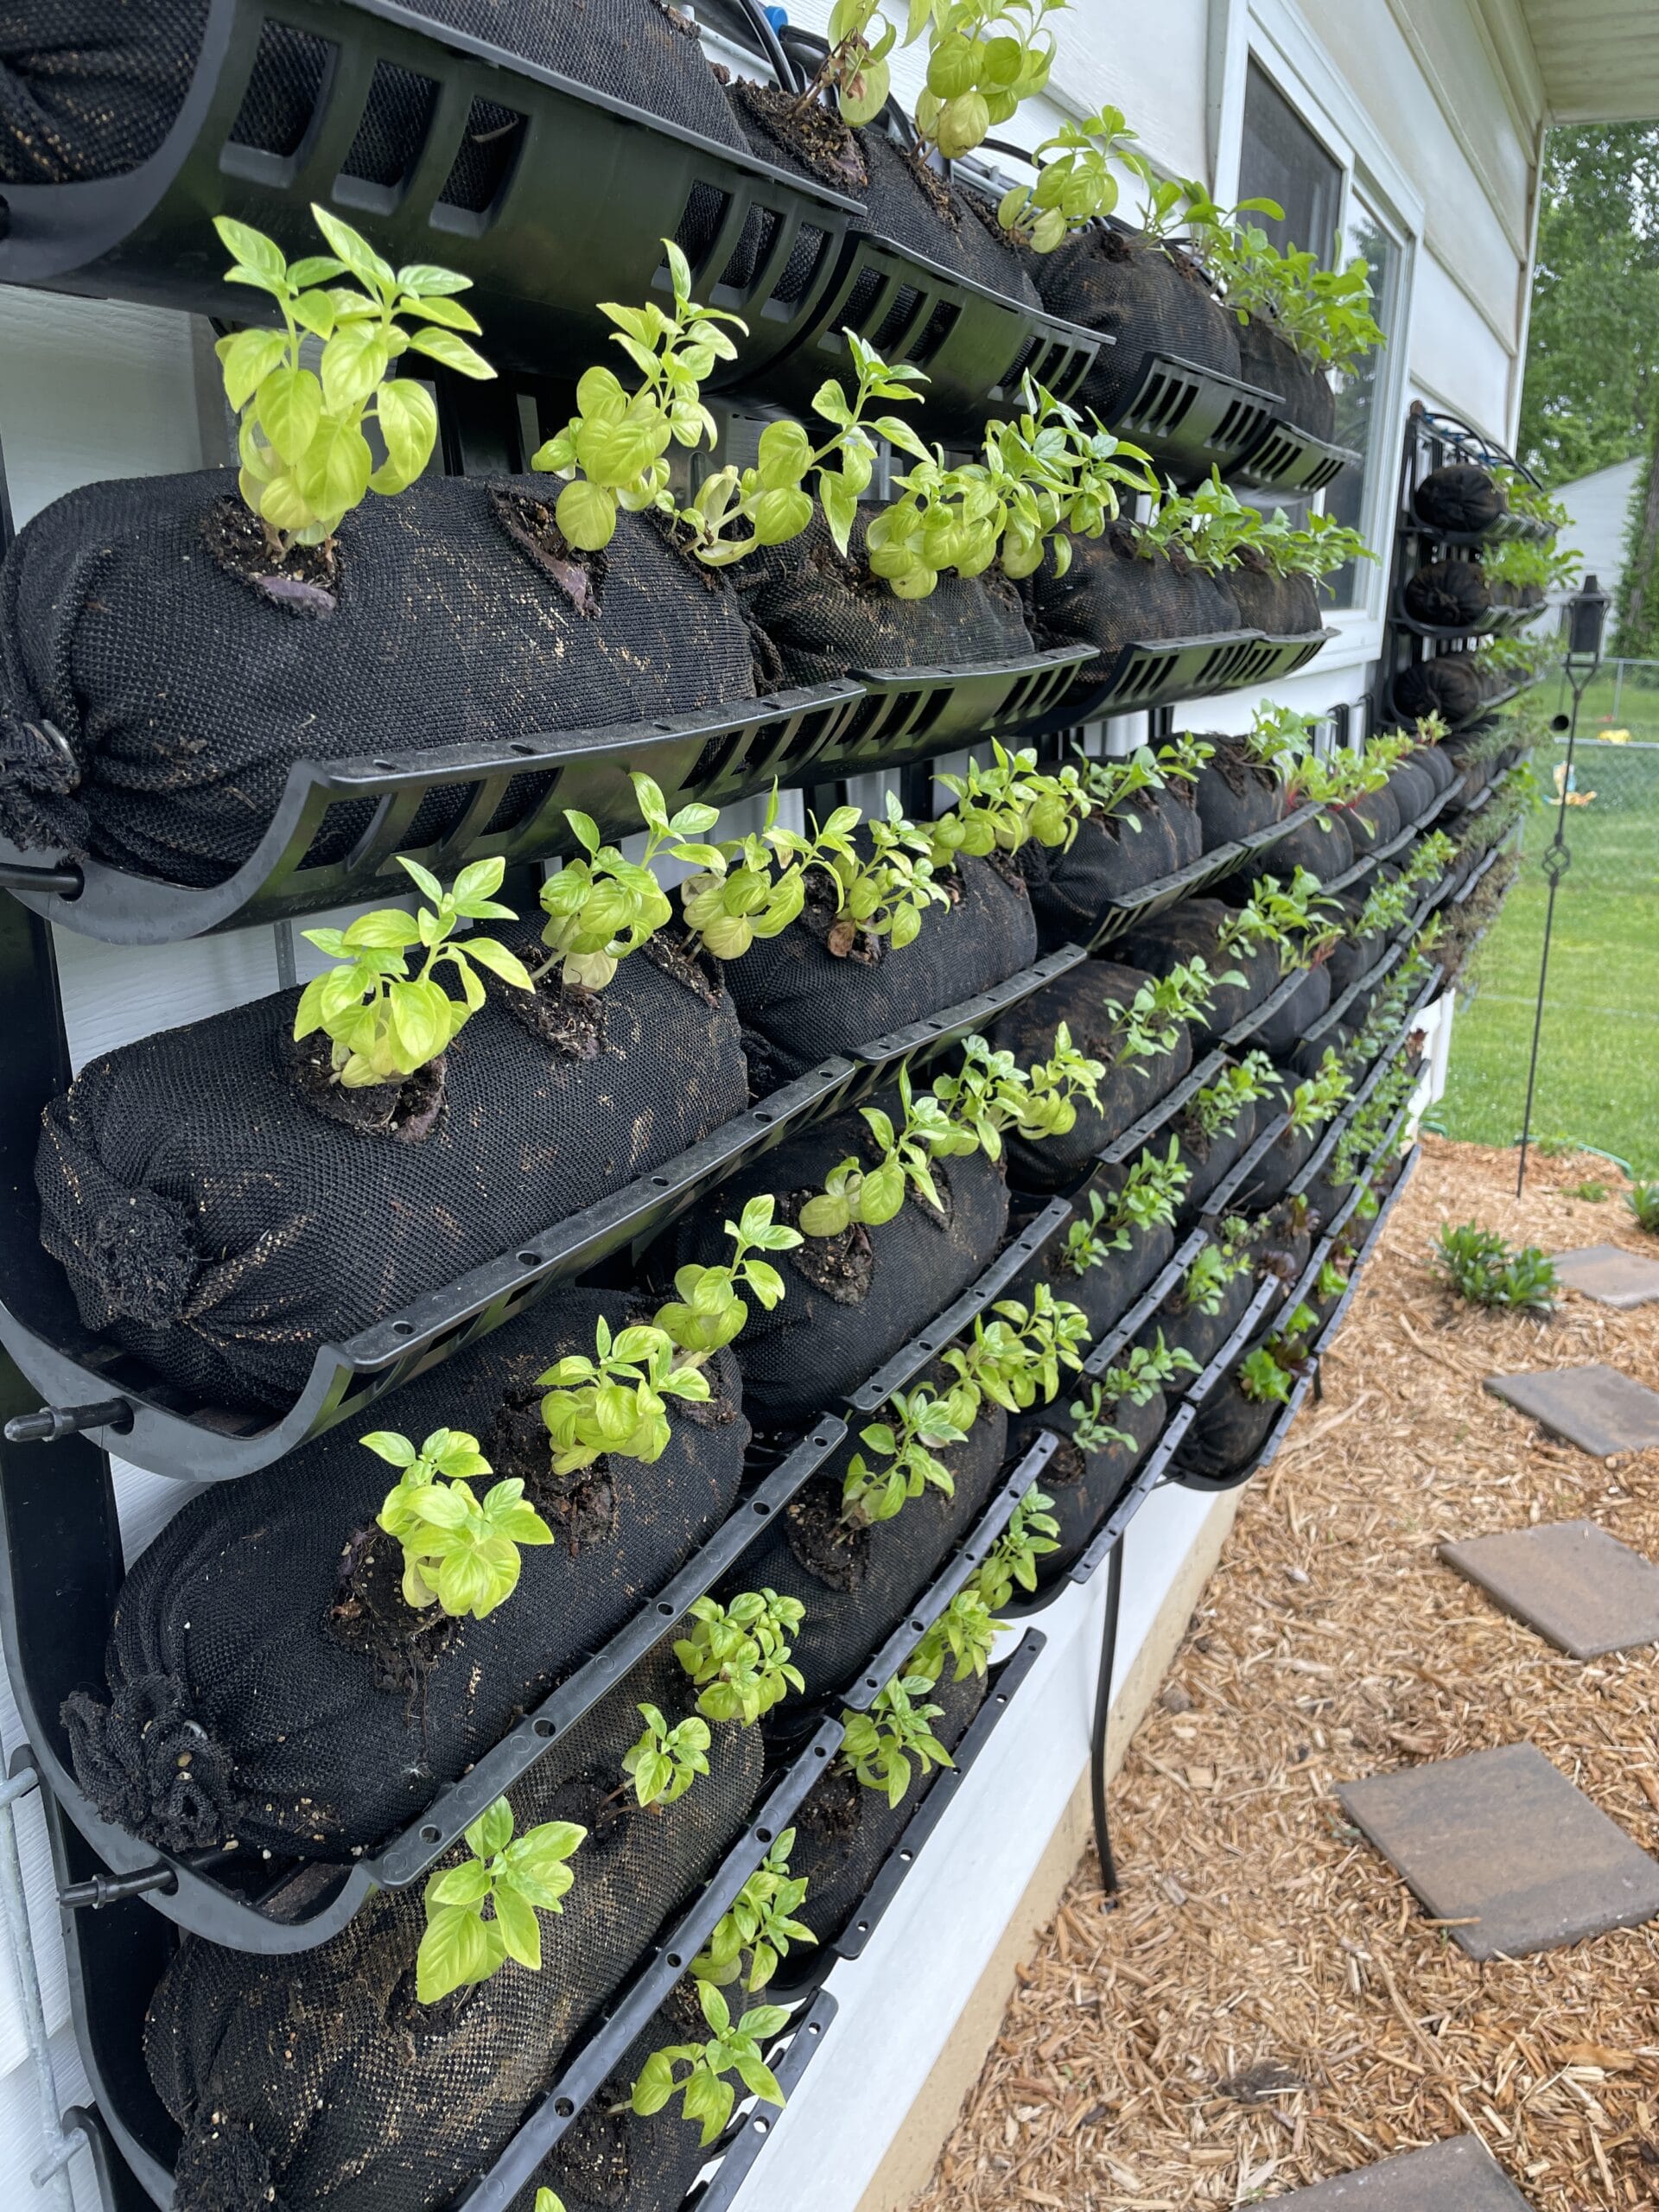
(1502, 1844)
(1598, 1409)
(1609, 1273)
(1572, 1582)
(1453, 2177)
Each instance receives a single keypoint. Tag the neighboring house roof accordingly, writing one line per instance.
(1599, 503)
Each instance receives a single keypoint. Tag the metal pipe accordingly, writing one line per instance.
(51, 2176)
(52, 1423)
(66, 882)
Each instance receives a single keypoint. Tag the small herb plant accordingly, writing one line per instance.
(516, 1877)
(962, 1637)
(305, 462)
(1075, 184)
(1152, 1022)
(1268, 1373)
(603, 907)
(460, 1553)
(1221, 1261)
(737, 1657)
(1017, 1355)
(1144, 1369)
(1485, 1271)
(1032, 1534)
(1642, 1199)
(706, 2095)
(884, 1747)
(904, 1459)
(709, 1311)
(665, 1762)
(758, 1923)
(1318, 1097)
(1003, 805)
(615, 1401)
(383, 1023)
(1215, 1109)
(985, 57)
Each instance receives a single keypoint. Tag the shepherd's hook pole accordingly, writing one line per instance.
(1556, 861)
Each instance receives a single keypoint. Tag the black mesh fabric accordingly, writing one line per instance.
(185, 694)
(1190, 932)
(224, 1621)
(1084, 1486)
(1352, 957)
(1459, 497)
(1234, 794)
(1304, 1007)
(215, 1221)
(1269, 360)
(90, 88)
(1285, 607)
(1188, 1328)
(1210, 1158)
(871, 1290)
(1323, 847)
(845, 1830)
(1150, 298)
(1373, 820)
(320, 2078)
(1112, 596)
(1110, 858)
(1083, 998)
(1227, 1434)
(1436, 764)
(857, 1585)
(1106, 1290)
(1448, 594)
(1452, 686)
(827, 616)
(1283, 1158)
(799, 1001)
(1413, 787)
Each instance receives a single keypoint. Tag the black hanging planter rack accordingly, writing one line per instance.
(1158, 672)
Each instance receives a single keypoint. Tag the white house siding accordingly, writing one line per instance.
(1599, 506)
(1442, 134)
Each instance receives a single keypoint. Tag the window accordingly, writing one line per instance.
(1281, 159)
(1362, 402)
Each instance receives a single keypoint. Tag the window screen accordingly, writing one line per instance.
(1281, 159)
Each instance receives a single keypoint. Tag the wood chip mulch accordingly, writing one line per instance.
(1267, 2005)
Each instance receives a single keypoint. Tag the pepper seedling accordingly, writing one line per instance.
(884, 1747)
(516, 1877)
(708, 1310)
(1032, 1534)
(920, 1426)
(614, 1401)
(737, 1657)
(305, 461)
(665, 1762)
(460, 1553)
(1143, 1370)
(383, 1023)
(705, 2093)
(759, 1923)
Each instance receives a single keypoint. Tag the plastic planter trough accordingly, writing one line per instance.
(536, 273)
(1156, 672)
(1289, 459)
(116, 1958)
(1487, 708)
(1164, 1110)
(1398, 844)
(718, 755)
(881, 1061)
(61, 1572)
(1192, 419)
(937, 1795)
(1499, 621)
(911, 714)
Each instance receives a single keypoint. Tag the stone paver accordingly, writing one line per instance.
(1598, 1409)
(1572, 1582)
(1609, 1273)
(1453, 2177)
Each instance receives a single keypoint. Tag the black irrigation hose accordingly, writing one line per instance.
(1102, 1723)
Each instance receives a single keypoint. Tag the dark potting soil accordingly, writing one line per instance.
(1114, 594)
(1189, 930)
(90, 88)
(1151, 299)
(1459, 497)
(1110, 858)
(1448, 594)
(1235, 795)
(1085, 1485)
(820, 1344)
(1106, 1291)
(319, 2078)
(799, 1000)
(857, 1585)
(1084, 999)
(215, 1224)
(407, 1112)
(1266, 358)
(1451, 685)
(263, 1634)
(1304, 1005)
(1284, 606)
(185, 695)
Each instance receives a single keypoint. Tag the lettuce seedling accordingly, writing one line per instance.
(1148, 1198)
(665, 1761)
(1262, 1380)
(383, 1023)
(614, 1401)
(708, 1310)
(460, 1552)
(1216, 1108)
(305, 462)
(737, 1657)
(1318, 1097)
(1032, 1534)
(882, 1747)
(1220, 1263)
(516, 1878)
(962, 1636)
(1298, 915)
(1184, 758)
(705, 2095)
(920, 1426)
(759, 1923)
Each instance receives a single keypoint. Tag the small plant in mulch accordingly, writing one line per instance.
(484, 1911)
(706, 2095)
(1593, 1193)
(460, 1552)
(1642, 1199)
(305, 460)
(1032, 1534)
(758, 1926)
(1483, 1270)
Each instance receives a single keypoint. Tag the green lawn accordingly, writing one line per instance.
(1598, 1063)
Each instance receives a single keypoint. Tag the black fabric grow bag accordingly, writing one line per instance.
(1151, 299)
(1413, 788)
(1268, 1178)
(1304, 1005)
(858, 1584)
(215, 1221)
(1113, 596)
(826, 614)
(185, 693)
(797, 1001)
(1210, 1158)
(1453, 686)
(1436, 764)
(1459, 497)
(1235, 795)
(302, 1738)
(1268, 359)
(1228, 1431)
(1111, 857)
(1188, 1328)
(1285, 607)
(1082, 999)
(90, 88)
(1351, 957)
(1190, 932)
(844, 1830)
(1084, 1486)
(852, 1301)
(319, 2079)
(1373, 820)
(1106, 1291)
(1448, 594)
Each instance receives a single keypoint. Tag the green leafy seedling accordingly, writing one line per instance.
(705, 2093)
(1032, 1535)
(758, 1924)
(665, 1762)
(886, 1746)
(515, 1878)
(963, 1639)
(460, 1553)
(904, 1459)
(1642, 1199)
(737, 1657)
(1485, 1271)
(709, 1310)
(615, 1402)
